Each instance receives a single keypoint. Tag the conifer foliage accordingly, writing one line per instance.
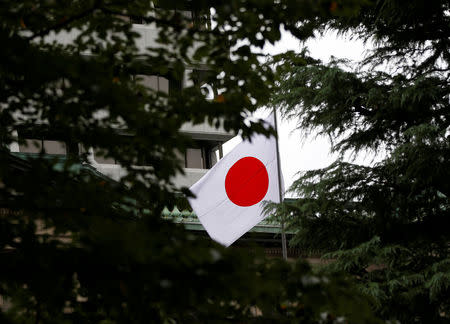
(386, 224)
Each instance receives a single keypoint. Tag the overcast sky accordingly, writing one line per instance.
(297, 155)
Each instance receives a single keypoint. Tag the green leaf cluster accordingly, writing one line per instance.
(385, 224)
(78, 247)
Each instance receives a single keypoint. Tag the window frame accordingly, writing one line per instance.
(41, 135)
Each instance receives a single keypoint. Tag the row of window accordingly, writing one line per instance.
(47, 146)
(203, 156)
(155, 82)
(200, 20)
(168, 85)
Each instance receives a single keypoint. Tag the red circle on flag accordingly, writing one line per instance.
(247, 182)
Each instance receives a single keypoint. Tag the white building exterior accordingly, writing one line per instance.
(197, 159)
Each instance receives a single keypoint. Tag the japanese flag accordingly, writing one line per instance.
(229, 198)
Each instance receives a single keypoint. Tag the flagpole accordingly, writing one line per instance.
(283, 233)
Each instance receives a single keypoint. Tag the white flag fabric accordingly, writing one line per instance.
(229, 197)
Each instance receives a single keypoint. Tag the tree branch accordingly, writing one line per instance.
(65, 22)
(360, 109)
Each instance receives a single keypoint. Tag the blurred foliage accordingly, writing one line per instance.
(385, 224)
(77, 247)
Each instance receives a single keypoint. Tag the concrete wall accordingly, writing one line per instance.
(148, 39)
(116, 172)
(148, 36)
(206, 132)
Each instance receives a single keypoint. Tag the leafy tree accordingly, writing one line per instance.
(77, 247)
(385, 224)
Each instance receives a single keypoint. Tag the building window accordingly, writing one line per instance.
(54, 147)
(29, 145)
(215, 154)
(204, 156)
(199, 17)
(164, 84)
(44, 143)
(194, 158)
(155, 82)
